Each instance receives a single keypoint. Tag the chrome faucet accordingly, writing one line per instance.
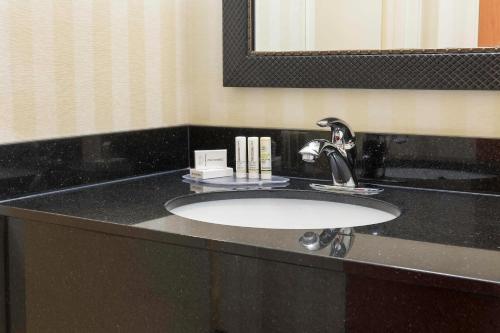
(341, 154)
(340, 151)
(341, 240)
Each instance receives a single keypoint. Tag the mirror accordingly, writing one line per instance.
(452, 46)
(336, 25)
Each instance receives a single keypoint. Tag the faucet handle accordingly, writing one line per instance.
(341, 132)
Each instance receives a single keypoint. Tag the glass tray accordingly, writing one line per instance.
(233, 181)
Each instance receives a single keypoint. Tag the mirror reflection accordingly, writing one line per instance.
(326, 25)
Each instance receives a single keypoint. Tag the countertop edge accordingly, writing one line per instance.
(371, 270)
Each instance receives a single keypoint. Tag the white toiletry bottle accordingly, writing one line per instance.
(265, 158)
(241, 156)
(253, 157)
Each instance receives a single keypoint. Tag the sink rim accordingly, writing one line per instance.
(363, 201)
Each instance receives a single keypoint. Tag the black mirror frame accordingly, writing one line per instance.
(452, 69)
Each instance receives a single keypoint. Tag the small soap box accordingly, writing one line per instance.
(210, 159)
(211, 173)
(210, 164)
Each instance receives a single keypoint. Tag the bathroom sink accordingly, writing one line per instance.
(282, 209)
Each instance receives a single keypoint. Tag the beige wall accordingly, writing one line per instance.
(81, 67)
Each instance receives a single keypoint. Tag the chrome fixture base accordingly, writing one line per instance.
(346, 189)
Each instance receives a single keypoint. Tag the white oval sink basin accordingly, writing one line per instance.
(276, 212)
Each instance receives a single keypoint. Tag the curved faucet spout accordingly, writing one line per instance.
(313, 149)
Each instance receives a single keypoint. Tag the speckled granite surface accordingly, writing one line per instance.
(445, 234)
(440, 235)
(462, 164)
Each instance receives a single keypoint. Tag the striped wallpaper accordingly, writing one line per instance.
(82, 66)
(74, 67)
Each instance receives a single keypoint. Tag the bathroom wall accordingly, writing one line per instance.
(461, 113)
(81, 67)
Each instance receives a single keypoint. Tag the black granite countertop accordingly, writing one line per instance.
(439, 234)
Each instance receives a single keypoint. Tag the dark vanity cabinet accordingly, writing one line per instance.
(65, 279)
(3, 272)
(71, 280)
